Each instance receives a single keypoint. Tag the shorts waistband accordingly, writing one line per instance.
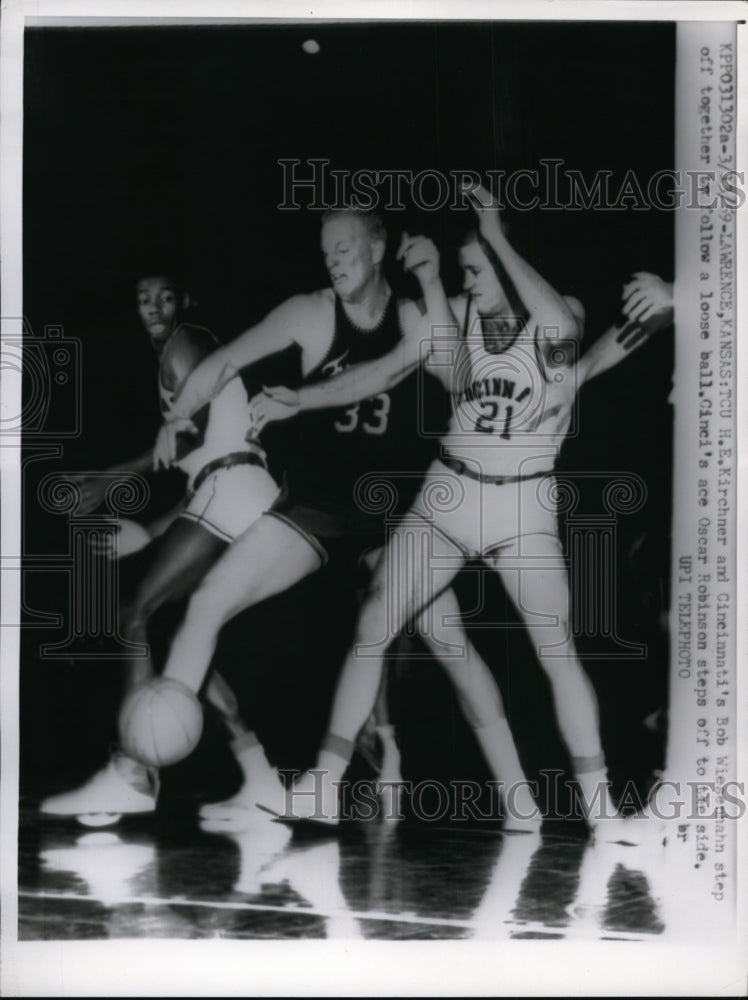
(227, 462)
(463, 469)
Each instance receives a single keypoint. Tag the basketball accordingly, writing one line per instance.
(160, 722)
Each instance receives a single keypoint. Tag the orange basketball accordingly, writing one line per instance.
(161, 722)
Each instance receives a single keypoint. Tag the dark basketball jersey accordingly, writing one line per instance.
(377, 436)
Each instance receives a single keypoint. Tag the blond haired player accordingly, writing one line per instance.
(356, 320)
(506, 352)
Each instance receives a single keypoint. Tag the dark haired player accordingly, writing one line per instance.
(228, 487)
(506, 352)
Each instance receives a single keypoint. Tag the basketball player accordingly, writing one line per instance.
(228, 487)
(354, 321)
(506, 351)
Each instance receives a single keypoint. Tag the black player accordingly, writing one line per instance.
(228, 487)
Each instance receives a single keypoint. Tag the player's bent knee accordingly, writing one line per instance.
(374, 623)
(371, 630)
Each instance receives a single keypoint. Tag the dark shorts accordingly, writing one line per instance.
(332, 528)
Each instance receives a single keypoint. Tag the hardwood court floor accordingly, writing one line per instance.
(169, 876)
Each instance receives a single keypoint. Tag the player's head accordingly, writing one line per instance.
(479, 278)
(353, 245)
(161, 301)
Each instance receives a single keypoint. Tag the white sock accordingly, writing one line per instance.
(251, 757)
(334, 756)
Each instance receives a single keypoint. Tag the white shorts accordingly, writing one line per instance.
(479, 518)
(231, 499)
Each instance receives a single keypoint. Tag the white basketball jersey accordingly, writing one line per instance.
(226, 426)
(510, 410)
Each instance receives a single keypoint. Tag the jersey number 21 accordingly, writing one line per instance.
(486, 420)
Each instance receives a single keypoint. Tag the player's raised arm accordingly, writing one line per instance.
(647, 308)
(420, 257)
(522, 284)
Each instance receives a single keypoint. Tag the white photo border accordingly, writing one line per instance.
(164, 968)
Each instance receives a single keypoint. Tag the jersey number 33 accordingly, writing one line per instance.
(372, 416)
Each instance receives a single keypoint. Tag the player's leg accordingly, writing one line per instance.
(441, 630)
(185, 554)
(227, 503)
(257, 771)
(180, 560)
(481, 703)
(380, 722)
(390, 772)
(265, 560)
(540, 592)
(403, 583)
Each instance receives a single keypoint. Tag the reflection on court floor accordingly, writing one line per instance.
(170, 877)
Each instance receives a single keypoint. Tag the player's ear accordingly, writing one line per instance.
(186, 302)
(377, 251)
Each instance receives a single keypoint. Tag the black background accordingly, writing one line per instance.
(148, 148)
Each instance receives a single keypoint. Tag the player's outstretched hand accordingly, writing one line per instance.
(648, 299)
(131, 537)
(93, 491)
(420, 257)
(275, 402)
(165, 448)
(647, 308)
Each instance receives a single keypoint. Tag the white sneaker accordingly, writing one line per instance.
(242, 808)
(122, 787)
